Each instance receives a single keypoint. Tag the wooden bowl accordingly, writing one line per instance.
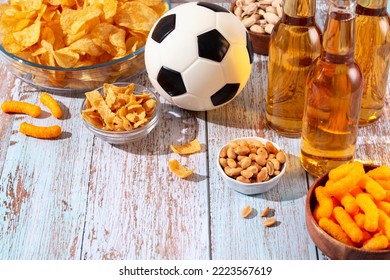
(260, 41)
(331, 247)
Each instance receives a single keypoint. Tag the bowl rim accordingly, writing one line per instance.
(257, 184)
(71, 69)
(310, 217)
(77, 69)
(139, 131)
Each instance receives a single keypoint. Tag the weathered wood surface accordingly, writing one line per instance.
(80, 198)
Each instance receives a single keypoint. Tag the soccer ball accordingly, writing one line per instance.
(198, 56)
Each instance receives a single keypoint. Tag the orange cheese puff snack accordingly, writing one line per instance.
(380, 173)
(354, 191)
(379, 242)
(343, 185)
(372, 187)
(343, 170)
(44, 132)
(384, 183)
(359, 220)
(384, 206)
(19, 107)
(387, 198)
(384, 223)
(325, 203)
(366, 236)
(349, 203)
(347, 224)
(335, 231)
(370, 210)
(52, 104)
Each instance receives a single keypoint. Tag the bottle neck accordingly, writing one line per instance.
(339, 32)
(299, 8)
(371, 7)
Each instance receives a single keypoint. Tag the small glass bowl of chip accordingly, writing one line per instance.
(75, 79)
(136, 134)
(268, 178)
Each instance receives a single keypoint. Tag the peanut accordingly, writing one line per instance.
(259, 16)
(241, 163)
(269, 222)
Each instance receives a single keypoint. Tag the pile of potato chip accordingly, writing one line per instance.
(76, 33)
(354, 206)
(119, 108)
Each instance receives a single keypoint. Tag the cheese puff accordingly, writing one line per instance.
(379, 242)
(354, 191)
(342, 186)
(343, 170)
(43, 132)
(359, 219)
(384, 183)
(370, 210)
(384, 206)
(325, 203)
(19, 107)
(52, 104)
(349, 203)
(335, 231)
(372, 187)
(380, 173)
(366, 236)
(384, 223)
(348, 224)
(387, 198)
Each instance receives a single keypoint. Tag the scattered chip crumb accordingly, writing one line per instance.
(187, 149)
(178, 169)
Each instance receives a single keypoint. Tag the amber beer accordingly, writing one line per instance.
(372, 53)
(295, 43)
(333, 95)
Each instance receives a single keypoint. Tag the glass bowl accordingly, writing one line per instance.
(255, 187)
(63, 80)
(75, 80)
(123, 137)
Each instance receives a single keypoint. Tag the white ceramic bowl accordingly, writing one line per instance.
(250, 188)
(123, 137)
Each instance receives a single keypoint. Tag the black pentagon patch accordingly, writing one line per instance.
(212, 45)
(165, 26)
(249, 47)
(225, 94)
(171, 81)
(214, 7)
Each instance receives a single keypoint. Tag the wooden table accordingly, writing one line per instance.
(78, 197)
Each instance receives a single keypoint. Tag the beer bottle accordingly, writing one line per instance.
(295, 43)
(372, 53)
(333, 95)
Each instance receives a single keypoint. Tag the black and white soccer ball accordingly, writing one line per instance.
(198, 56)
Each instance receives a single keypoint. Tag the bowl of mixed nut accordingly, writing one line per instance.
(259, 17)
(251, 165)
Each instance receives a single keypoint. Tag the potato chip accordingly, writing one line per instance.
(29, 35)
(119, 108)
(80, 32)
(142, 17)
(110, 38)
(187, 149)
(178, 169)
